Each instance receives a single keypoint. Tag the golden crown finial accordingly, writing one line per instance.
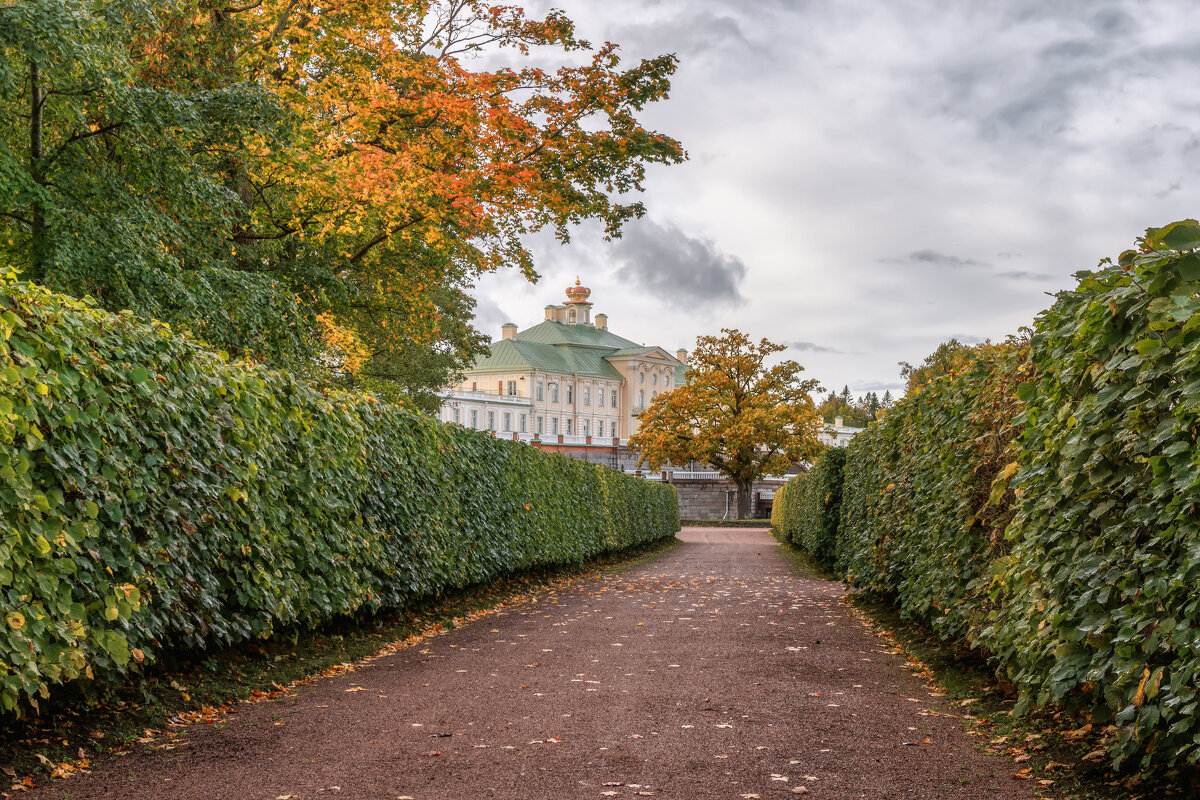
(577, 283)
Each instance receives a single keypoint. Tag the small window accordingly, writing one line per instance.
(570, 427)
(641, 377)
(491, 420)
(570, 395)
(512, 388)
(457, 414)
(587, 395)
(667, 381)
(507, 421)
(540, 394)
(587, 428)
(641, 398)
(614, 398)
(554, 426)
(600, 428)
(654, 379)
(600, 398)
(474, 419)
(474, 386)
(554, 393)
(541, 425)
(524, 426)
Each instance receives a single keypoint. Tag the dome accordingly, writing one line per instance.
(577, 293)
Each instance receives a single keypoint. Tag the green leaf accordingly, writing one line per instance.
(1182, 235)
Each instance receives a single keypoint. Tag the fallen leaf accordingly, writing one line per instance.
(434, 753)
(799, 790)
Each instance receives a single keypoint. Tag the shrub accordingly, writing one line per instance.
(1082, 449)
(155, 496)
(1099, 602)
(810, 509)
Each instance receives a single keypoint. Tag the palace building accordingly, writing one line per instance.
(567, 384)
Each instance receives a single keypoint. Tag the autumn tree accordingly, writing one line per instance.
(736, 413)
(310, 184)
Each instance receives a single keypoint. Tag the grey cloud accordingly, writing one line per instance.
(934, 258)
(662, 258)
(1174, 186)
(812, 347)
(1025, 275)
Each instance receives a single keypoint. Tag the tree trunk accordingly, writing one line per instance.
(37, 261)
(743, 499)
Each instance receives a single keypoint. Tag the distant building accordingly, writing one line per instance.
(837, 434)
(567, 384)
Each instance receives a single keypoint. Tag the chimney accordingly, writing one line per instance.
(602, 322)
(551, 312)
(837, 422)
(681, 355)
(508, 330)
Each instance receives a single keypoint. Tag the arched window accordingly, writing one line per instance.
(654, 379)
(641, 398)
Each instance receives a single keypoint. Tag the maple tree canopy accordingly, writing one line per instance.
(735, 413)
(314, 185)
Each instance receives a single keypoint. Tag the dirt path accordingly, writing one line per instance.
(714, 671)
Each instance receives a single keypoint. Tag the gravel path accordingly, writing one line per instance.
(714, 671)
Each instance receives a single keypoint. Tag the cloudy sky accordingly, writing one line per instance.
(870, 178)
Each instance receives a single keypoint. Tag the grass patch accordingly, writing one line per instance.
(725, 523)
(76, 729)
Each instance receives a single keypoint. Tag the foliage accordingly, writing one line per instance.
(1098, 597)
(154, 496)
(735, 413)
(243, 170)
(810, 509)
(856, 413)
(927, 494)
(950, 356)
(1081, 449)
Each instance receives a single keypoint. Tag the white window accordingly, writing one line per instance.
(474, 419)
(587, 427)
(600, 428)
(541, 425)
(570, 427)
(524, 426)
(600, 398)
(641, 398)
(587, 395)
(554, 426)
(570, 395)
(457, 414)
(491, 420)
(540, 394)
(554, 393)
(614, 398)
(507, 421)
(512, 388)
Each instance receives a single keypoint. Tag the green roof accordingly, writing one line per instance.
(571, 349)
(550, 332)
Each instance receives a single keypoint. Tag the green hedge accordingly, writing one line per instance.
(1044, 503)
(809, 511)
(928, 498)
(155, 497)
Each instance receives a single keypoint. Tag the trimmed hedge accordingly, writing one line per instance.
(810, 508)
(154, 496)
(928, 498)
(1043, 504)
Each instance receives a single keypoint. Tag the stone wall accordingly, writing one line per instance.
(705, 498)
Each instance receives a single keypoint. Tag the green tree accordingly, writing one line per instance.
(313, 185)
(950, 356)
(735, 413)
